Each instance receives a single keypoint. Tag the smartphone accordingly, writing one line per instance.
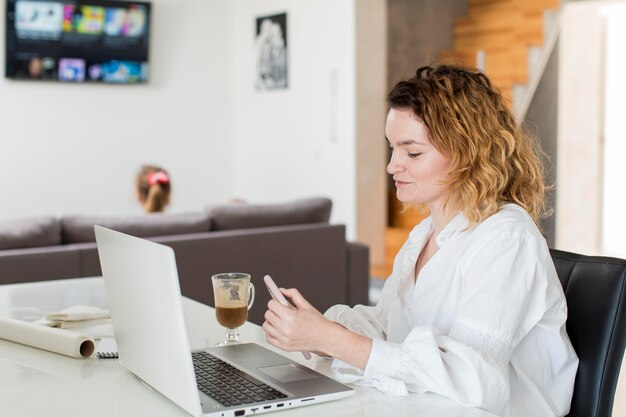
(275, 292)
(278, 296)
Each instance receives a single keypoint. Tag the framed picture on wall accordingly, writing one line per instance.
(271, 52)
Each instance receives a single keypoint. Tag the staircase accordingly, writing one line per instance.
(505, 39)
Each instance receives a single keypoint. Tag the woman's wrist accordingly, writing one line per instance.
(346, 345)
(329, 338)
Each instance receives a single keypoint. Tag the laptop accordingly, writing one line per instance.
(143, 292)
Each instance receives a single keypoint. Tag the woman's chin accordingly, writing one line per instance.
(405, 197)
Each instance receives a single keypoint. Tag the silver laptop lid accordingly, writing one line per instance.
(143, 292)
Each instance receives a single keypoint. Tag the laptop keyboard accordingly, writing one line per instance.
(227, 384)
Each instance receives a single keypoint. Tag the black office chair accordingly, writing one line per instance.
(595, 289)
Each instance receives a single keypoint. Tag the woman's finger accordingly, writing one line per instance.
(277, 308)
(271, 339)
(272, 318)
(270, 330)
(298, 300)
(274, 341)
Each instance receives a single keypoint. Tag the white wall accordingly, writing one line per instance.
(68, 148)
(75, 148)
(579, 137)
(299, 141)
(592, 136)
(614, 174)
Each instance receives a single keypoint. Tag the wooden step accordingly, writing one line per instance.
(466, 58)
(503, 40)
(516, 22)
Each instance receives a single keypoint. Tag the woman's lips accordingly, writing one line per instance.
(400, 183)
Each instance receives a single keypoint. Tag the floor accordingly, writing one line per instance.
(394, 239)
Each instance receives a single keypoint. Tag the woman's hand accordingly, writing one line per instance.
(302, 328)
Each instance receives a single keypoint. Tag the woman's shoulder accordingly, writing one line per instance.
(510, 229)
(510, 219)
(504, 238)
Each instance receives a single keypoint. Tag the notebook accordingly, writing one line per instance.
(143, 293)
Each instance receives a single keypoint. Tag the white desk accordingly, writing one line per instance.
(35, 383)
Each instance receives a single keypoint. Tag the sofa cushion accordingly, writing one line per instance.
(30, 232)
(77, 228)
(246, 216)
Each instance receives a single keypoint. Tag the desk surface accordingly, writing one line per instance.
(34, 382)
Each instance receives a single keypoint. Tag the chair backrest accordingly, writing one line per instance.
(595, 289)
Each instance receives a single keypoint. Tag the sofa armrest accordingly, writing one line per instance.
(38, 264)
(358, 266)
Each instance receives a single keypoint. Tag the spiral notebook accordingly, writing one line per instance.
(106, 349)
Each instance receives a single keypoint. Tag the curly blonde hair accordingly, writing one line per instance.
(493, 160)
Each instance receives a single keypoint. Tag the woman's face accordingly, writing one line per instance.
(417, 167)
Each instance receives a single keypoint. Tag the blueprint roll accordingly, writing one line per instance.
(63, 341)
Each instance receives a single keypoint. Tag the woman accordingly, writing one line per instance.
(153, 188)
(473, 309)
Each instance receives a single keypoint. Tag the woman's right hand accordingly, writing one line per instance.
(295, 329)
(306, 329)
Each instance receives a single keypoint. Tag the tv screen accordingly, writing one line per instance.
(81, 41)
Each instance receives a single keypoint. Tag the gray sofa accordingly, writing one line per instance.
(293, 242)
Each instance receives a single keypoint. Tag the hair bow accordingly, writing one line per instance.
(155, 178)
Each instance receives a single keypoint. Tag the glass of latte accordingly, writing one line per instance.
(234, 295)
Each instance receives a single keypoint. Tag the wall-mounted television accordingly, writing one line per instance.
(83, 41)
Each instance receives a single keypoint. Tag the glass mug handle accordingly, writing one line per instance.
(250, 295)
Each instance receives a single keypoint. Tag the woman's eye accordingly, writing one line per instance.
(414, 155)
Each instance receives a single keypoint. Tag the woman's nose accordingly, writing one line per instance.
(393, 165)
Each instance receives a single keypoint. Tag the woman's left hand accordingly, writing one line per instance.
(302, 328)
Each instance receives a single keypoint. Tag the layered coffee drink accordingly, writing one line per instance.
(231, 317)
(234, 295)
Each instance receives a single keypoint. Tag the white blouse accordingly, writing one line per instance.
(484, 324)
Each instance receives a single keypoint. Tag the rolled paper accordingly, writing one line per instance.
(63, 341)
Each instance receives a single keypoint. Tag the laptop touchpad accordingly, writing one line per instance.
(287, 373)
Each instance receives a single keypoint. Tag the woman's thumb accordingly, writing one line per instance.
(296, 298)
